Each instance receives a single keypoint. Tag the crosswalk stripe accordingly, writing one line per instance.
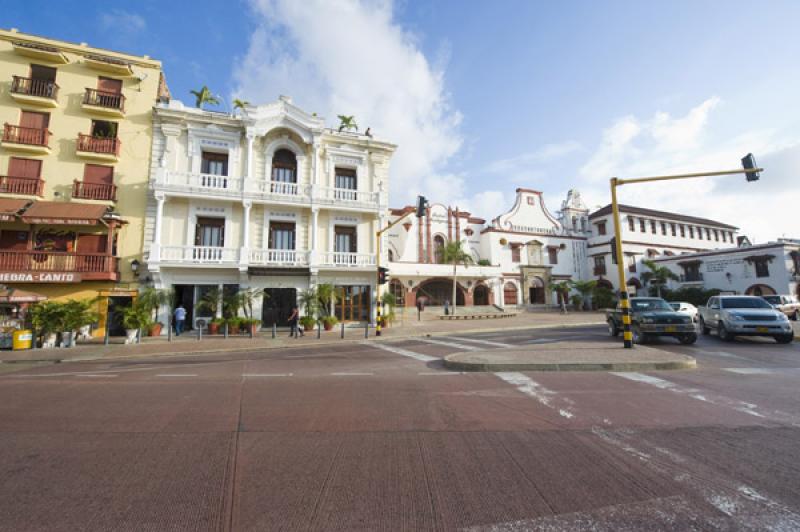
(177, 375)
(450, 344)
(405, 352)
(267, 374)
(476, 341)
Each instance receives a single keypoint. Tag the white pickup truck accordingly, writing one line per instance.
(786, 304)
(732, 316)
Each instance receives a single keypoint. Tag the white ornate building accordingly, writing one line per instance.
(270, 199)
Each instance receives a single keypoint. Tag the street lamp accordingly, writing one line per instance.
(751, 171)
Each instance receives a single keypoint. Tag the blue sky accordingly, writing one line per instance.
(483, 97)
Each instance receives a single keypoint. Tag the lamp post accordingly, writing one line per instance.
(749, 168)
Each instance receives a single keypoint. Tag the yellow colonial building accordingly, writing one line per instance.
(74, 167)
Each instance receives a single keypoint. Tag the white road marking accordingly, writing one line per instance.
(177, 375)
(476, 341)
(751, 371)
(267, 374)
(751, 409)
(95, 375)
(351, 374)
(450, 344)
(404, 352)
(533, 389)
(440, 373)
(729, 355)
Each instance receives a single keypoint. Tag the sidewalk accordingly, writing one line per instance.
(189, 345)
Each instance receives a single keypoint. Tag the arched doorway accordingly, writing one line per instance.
(634, 285)
(437, 291)
(481, 295)
(510, 294)
(760, 290)
(605, 283)
(536, 291)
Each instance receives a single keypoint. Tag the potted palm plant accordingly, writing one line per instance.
(77, 314)
(47, 319)
(308, 323)
(209, 302)
(154, 299)
(135, 318)
(234, 324)
(390, 303)
(326, 299)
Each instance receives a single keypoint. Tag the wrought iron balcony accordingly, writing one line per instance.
(94, 191)
(24, 186)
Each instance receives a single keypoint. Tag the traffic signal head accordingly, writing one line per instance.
(749, 163)
(421, 204)
(383, 275)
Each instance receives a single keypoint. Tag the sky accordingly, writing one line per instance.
(486, 97)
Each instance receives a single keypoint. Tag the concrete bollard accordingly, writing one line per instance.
(225, 330)
(200, 332)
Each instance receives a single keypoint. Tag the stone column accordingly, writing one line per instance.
(155, 248)
(244, 251)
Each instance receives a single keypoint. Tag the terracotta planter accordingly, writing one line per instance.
(327, 325)
(253, 328)
(155, 330)
(308, 327)
(213, 328)
(233, 329)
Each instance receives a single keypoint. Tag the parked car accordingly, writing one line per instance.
(732, 316)
(687, 309)
(650, 317)
(786, 304)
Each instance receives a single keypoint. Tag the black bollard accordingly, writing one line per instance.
(169, 329)
(342, 330)
(107, 338)
(366, 330)
(319, 330)
(274, 330)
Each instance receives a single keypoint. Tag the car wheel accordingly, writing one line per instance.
(784, 338)
(687, 339)
(706, 330)
(723, 333)
(613, 330)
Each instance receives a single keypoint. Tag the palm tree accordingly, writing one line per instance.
(453, 253)
(204, 96)
(248, 298)
(240, 104)
(326, 295)
(347, 122)
(584, 288)
(309, 300)
(561, 289)
(658, 275)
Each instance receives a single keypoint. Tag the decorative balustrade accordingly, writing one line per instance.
(199, 255)
(24, 186)
(88, 143)
(344, 195)
(40, 88)
(354, 260)
(94, 191)
(107, 99)
(189, 181)
(31, 136)
(56, 261)
(279, 257)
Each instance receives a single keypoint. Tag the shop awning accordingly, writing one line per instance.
(9, 208)
(13, 295)
(62, 213)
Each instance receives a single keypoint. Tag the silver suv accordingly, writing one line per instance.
(744, 316)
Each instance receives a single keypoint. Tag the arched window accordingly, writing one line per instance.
(510, 294)
(397, 289)
(284, 167)
(438, 248)
(574, 223)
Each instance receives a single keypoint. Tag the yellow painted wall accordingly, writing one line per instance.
(62, 166)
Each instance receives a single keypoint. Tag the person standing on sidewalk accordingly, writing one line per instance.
(180, 319)
(446, 307)
(294, 319)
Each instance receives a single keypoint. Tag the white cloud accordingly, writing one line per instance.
(664, 145)
(546, 153)
(350, 57)
(121, 21)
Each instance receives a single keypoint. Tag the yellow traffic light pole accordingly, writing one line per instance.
(627, 336)
(378, 300)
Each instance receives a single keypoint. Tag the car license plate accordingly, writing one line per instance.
(762, 329)
(670, 328)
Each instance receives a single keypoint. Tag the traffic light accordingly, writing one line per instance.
(749, 163)
(421, 204)
(383, 275)
(614, 257)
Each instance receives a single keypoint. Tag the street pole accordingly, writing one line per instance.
(627, 336)
(378, 236)
(616, 182)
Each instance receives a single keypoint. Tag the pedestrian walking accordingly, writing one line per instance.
(180, 319)
(294, 319)
(446, 307)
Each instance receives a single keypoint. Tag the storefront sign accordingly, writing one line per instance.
(44, 277)
(720, 265)
(58, 221)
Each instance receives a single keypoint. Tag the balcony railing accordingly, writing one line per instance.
(199, 255)
(98, 144)
(27, 186)
(94, 191)
(191, 181)
(279, 257)
(599, 270)
(691, 278)
(344, 195)
(354, 260)
(41, 88)
(30, 136)
(56, 261)
(107, 99)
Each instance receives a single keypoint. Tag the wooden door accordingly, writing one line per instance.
(98, 174)
(12, 240)
(92, 243)
(34, 120)
(109, 85)
(29, 168)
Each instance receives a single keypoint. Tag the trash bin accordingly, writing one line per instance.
(22, 339)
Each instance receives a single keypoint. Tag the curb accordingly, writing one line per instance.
(337, 341)
(569, 366)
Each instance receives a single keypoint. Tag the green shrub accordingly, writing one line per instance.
(603, 297)
(330, 321)
(137, 316)
(308, 321)
(484, 262)
(695, 295)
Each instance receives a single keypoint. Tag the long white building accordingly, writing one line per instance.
(270, 198)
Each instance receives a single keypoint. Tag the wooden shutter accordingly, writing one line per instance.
(109, 85)
(92, 243)
(34, 120)
(14, 240)
(98, 174)
(19, 167)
